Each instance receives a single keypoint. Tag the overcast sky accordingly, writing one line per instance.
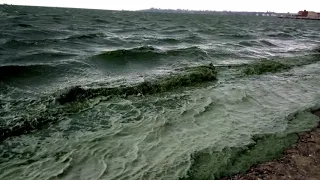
(233, 5)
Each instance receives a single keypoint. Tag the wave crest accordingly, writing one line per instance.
(149, 52)
(264, 67)
(188, 77)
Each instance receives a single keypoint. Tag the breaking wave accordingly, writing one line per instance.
(265, 66)
(188, 77)
(273, 66)
(51, 112)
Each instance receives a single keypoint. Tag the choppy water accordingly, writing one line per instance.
(88, 94)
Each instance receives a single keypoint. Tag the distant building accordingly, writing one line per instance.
(309, 14)
(312, 14)
(303, 13)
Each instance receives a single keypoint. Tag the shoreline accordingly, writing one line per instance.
(304, 18)
(299, 161)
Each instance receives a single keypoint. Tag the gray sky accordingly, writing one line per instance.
(233, 5)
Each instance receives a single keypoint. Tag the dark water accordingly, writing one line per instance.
(88, 94)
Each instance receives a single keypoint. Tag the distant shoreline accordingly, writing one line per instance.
(176, 11)
(303, 18)
(187, 11)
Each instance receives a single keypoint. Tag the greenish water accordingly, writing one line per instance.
(88, 94)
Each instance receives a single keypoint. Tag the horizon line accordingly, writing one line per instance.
(142, 9)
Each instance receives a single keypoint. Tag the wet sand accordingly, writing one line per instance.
(300, 162)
